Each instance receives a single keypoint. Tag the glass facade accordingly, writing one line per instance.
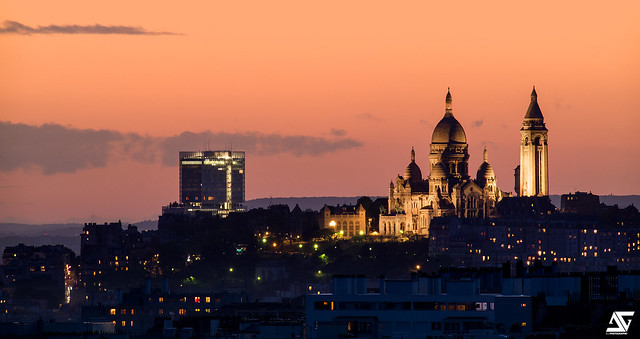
(214, 179)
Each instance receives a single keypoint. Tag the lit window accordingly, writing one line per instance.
(196, 299)
(207, 299)
(523, 305)
(124, 323)
(160, 311)
(112, 311)
(182, 311)
(161, 299)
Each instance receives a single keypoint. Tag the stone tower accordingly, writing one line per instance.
(534, 164)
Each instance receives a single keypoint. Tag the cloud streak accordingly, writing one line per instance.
(55, 148)
(14, 27)
(368, 116)
(338, 132)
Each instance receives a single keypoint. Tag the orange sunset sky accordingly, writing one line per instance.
(326, 97)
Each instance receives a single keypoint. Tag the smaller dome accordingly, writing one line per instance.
(438, 171)
(485, 171)
(413, 173)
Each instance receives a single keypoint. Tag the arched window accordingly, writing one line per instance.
(357, 227)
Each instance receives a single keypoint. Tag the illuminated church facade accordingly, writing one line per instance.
(449, 190)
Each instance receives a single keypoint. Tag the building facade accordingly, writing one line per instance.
(33, 275)
(423, 307)
(111, 260)
(212, 179)
(346, 221)
(448, 190)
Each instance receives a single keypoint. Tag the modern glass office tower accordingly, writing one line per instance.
(212, 179)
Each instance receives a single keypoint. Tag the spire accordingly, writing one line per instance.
(449, 110)
(413, 154)
(534, 95)
(485, 158)
(534, 112)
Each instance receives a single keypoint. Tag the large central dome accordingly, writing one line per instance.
(448, 129)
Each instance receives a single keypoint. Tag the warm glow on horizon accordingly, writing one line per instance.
(326, 99)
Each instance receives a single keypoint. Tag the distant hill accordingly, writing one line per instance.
(12, 234)
(305, 203)
(316, 203)
(68, 235)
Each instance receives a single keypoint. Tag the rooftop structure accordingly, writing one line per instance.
(422, 306)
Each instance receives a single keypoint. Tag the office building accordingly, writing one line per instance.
(212, 179)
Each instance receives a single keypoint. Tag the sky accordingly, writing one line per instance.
(326, 98)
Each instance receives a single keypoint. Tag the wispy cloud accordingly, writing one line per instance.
(62, 149)
(338, 132)
(14, 27)
(368, 116)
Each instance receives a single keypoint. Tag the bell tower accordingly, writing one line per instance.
(534, 165)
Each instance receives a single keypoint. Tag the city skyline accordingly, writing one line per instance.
(325, 100)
